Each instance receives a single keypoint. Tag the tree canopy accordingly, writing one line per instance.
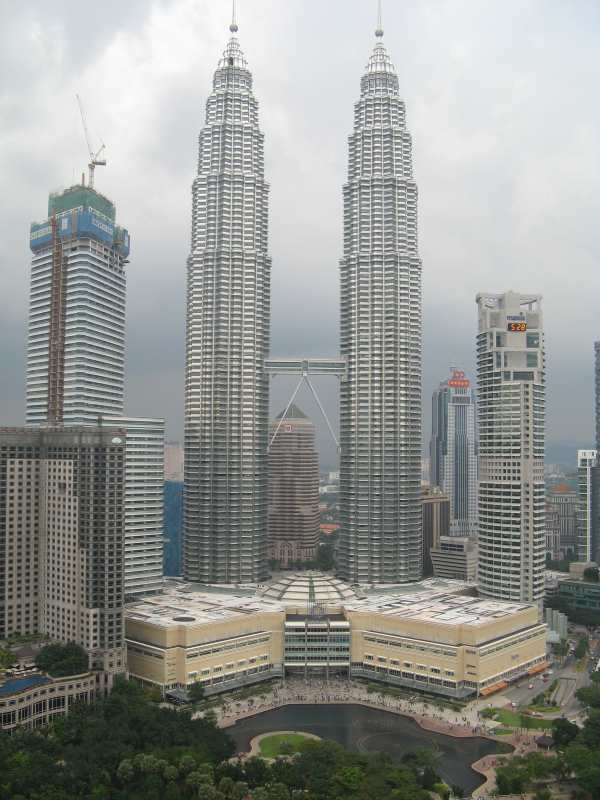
(124, 747)
(60, 660)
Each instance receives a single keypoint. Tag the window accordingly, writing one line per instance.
(532, 359)
(533, 340)
(522, 376)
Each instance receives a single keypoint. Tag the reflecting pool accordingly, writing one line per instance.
(367, 730)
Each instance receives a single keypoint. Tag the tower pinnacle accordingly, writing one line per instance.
(233, 27)
(379, 29)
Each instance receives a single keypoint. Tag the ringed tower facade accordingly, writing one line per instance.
(227, 338)
(380, 402)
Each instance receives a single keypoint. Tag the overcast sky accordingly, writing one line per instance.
(503, 105)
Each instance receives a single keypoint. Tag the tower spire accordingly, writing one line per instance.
(379, 29)
(233, 27)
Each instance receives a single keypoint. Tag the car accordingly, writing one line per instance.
(530, 686)
(513, 705)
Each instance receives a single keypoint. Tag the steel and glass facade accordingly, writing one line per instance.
(227, 339)
(511, 388)
(380, 402)
(453, 451)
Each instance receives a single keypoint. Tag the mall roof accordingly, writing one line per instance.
(434, 601)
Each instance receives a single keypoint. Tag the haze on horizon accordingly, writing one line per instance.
(502, 107)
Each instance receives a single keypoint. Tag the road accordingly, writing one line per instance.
(569, 679)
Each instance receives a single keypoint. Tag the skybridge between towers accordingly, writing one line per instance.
(305, 368)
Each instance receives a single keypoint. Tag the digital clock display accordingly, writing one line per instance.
(517, 327)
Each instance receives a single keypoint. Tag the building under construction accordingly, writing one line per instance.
(76, 357)
(76, 346)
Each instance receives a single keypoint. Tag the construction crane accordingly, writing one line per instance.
(95, 160)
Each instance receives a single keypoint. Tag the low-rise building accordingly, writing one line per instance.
(434, 636)
(581, 595)
(34, 700)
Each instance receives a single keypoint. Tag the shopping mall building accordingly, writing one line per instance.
(435, 636)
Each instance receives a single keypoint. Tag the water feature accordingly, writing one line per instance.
(367, 730)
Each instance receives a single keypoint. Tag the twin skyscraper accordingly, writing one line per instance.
(228, 339)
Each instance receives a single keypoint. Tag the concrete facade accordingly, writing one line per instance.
(455, 558)
(35, 705)
(512, 410)
(435, 509)
(435, 637)
(61, 539)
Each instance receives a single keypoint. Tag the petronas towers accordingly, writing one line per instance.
(227, 339)
(380, 403)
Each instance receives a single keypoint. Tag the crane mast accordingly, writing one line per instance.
(95, 160)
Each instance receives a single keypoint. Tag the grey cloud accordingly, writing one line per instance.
(502, 105)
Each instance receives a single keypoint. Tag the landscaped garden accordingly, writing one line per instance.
(515, 719)
(281, 744)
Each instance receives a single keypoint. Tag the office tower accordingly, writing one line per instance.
(227, 339)
(76, 343)
(293, 493)
(562, 525)
(144, 503)
(587, 506)
(455, 558)
(75, 358)
(61, 538)
(173, 461)
(511, 411)
(435, 509)
(380, 402)
(453, 450)
(553, 532)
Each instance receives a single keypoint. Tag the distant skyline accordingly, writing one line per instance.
(501, 103)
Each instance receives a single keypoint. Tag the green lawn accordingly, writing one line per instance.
(513, 719)
(271, 746)
(545, 709)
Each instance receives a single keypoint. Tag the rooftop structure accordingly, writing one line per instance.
(300, 587)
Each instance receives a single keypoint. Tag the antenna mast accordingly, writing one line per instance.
(95, 160)
(233, 27)
(379, 29)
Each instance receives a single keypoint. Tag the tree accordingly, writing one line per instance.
(186, 765)
(563, 732)
(591, 574)
(125, 772)
(196, 692)
(589, 695)
(60, 660)
(583, 646)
